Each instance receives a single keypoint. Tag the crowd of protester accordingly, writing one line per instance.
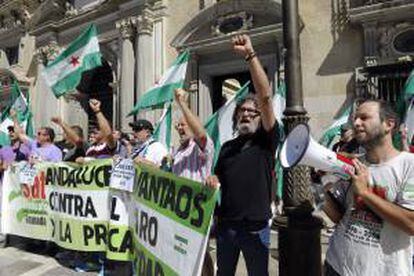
(244, 174)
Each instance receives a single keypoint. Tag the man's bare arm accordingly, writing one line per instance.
(70, 133)
(103, 123)
(193, 121)
(17, 128)
(243, 46)
(394, 214)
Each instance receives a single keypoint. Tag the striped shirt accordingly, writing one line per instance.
(194, 161)
(100, 151)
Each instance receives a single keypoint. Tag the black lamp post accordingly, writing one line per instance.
(299, 232)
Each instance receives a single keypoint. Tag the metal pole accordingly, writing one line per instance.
(299, 232)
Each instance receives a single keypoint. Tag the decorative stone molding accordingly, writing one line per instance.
(70, 9)
(240, 21)
(125, 26)
(145, 22)
(47, 53)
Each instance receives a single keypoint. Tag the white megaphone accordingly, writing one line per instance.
(300, 149)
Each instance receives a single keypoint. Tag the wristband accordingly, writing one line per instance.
(250, 56)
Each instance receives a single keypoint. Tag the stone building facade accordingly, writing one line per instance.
(349, 50)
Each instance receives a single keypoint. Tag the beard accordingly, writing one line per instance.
(247, 128)
(372, 138)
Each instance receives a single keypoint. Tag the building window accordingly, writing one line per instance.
(383, 82)
(404, 42)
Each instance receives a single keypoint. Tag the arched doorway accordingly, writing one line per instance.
(207, 36)
(95, 84)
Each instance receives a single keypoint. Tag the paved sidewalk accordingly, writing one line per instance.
(16, 261)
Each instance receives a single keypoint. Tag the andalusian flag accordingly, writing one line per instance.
(21, 105)
(163, 91)
(279, 105)
(65, 72)
(405, 107)
(162, 131)
(219, 126)
(409, 121)
(335, 129)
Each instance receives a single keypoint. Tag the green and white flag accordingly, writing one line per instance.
(279, 105)
(409, 121)
(335, 129)
(219, 125)
(408, 91)
(65, 72)
(162, 131)
(405, 106)
(21, 105)
(163, 91)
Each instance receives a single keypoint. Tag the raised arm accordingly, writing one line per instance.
(70, 133)
(193, 121)
(103, 123)
(243, 46)
(17, 128)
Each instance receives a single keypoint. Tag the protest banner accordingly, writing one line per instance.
(63, 202)
(162, 225)
(167, 218)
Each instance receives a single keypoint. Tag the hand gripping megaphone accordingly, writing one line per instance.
(299, 148)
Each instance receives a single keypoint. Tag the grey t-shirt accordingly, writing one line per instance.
(363, 243)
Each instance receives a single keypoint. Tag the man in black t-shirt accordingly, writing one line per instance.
(244, 173)
(73, 145)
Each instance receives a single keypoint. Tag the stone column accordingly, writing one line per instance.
(144, 52)
(126, 93)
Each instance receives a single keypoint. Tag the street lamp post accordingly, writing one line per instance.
(299, 232)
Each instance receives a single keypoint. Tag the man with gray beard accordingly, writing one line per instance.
(244, 173)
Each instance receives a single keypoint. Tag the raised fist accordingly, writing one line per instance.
(180, 95)
(242, 45)
(95, 105)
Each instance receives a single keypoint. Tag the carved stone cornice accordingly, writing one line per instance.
(47, 53)
(145, 22)
(125, 27)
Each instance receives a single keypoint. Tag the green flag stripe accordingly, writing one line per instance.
(184, 57)
(157, 96)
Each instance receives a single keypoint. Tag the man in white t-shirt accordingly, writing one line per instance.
(373, 235)
(148, 150)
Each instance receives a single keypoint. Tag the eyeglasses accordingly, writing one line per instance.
(250, 111)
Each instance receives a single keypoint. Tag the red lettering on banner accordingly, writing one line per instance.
(37, 190)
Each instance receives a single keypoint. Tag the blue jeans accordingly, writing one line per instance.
(253, 244)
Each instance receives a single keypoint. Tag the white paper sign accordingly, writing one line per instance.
(123, 174)
(27, 173)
